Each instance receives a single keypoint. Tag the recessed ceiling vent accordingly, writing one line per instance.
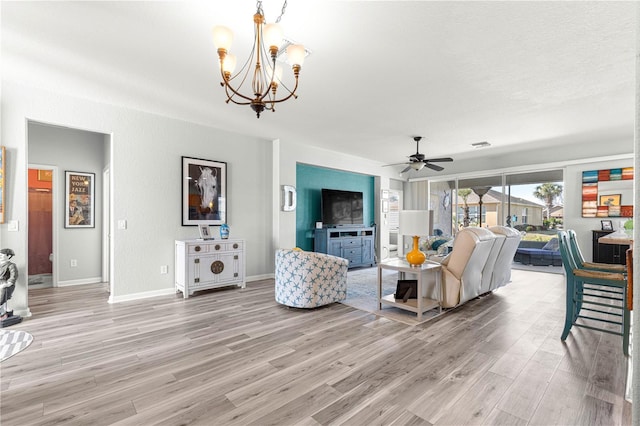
(482, 144)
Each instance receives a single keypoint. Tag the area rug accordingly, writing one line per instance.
(12, 342)
(362, 293)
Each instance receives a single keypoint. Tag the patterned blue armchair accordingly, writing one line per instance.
(307, 279)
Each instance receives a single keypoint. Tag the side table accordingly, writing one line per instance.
(421, 304)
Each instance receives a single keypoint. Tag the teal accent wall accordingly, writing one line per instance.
(309, 182)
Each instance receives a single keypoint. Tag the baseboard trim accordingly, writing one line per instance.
(260, 277)
(168, 291)
(69, 283)
(144, 295)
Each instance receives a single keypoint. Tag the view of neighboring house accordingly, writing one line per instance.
(521, 211)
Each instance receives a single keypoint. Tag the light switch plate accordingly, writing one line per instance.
(13, 226)
(122, 224)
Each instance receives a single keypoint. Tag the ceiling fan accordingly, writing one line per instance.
(417, 160)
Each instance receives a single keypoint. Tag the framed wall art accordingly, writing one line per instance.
(609, 200)
(2, 156)
(79, 200)
(204, 192)
(607, 192)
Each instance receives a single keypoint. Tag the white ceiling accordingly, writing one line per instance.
(511, 73)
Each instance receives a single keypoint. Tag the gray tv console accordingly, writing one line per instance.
(356, 244)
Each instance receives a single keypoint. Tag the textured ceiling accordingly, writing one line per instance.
(512, 73)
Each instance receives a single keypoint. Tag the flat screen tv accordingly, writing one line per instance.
(341, 208)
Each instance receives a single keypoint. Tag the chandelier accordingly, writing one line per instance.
(260, 68)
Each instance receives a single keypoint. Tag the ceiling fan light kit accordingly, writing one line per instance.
(418, 161)
(263, 73)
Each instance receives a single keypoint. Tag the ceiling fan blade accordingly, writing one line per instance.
(439, 160)
(405, 169)
(394, 164)
(434, 167)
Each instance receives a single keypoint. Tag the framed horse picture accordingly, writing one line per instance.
(204, 192)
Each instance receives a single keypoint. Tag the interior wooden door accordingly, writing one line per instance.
(40, 224)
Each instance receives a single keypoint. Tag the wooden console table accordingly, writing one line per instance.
(609, 247)
(421, 304)
(623, 240)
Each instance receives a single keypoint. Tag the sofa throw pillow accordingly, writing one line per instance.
(445, 248)
(437, 243)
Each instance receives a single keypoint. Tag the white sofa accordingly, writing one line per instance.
(480, 262)
(462, 269)
(501, 275)
(305, 279)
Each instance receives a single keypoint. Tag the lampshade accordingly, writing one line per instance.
(222, 37)
(414, 222)
(229, 64)
(273, 35)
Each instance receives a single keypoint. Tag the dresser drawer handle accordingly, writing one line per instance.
(217, 247)
(235, 246)
(197, 248)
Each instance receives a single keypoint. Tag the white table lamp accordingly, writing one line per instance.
(415, 223)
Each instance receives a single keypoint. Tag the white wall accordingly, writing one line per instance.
(78, 151)
(146, 185)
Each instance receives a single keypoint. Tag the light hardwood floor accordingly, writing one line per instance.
(237, 357)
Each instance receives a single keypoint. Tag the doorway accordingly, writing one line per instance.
(393, 220)
(40, 226)
(74, 254)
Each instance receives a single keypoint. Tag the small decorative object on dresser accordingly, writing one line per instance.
(224, 231)
(201, 265)
(204, 232)
(607, 225)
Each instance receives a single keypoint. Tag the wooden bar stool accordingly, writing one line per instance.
(595, 299)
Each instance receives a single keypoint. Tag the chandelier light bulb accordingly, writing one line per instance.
(222, 37)
(272, 35)
(295, 54)
(229, 63)
(277, 74)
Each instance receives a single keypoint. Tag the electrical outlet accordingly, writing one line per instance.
(164, 269)
(74, 263)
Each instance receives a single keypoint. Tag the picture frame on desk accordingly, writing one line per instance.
(205, 233)
(607, 225)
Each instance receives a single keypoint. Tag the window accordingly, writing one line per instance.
(515, 200)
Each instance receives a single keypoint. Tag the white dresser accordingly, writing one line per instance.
(205, 264)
